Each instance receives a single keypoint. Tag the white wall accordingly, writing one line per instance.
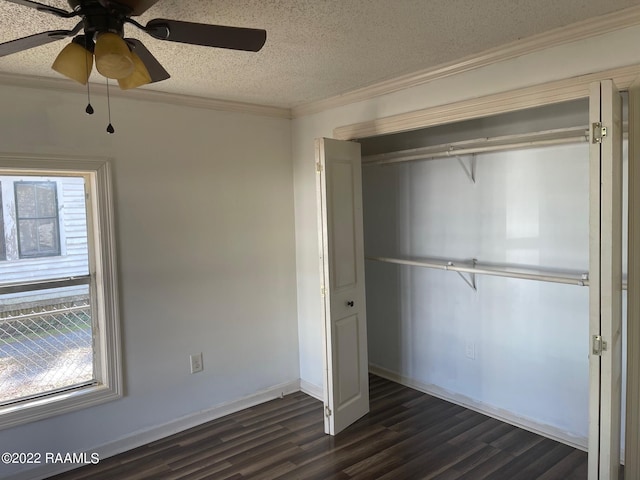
(599, 53)
(205, 235)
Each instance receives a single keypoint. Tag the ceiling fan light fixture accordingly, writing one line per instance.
(139, 77)
(74, 62)
(113, 58)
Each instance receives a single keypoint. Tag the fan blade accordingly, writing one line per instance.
(235, 38)
(32, 41)
(138, 7)
(156, 71)
(44, 8)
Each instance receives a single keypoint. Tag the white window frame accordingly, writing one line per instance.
(103, 287)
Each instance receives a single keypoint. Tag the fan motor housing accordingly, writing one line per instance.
(98, 19)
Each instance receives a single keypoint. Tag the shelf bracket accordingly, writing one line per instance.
(470, 279)
(470, 169)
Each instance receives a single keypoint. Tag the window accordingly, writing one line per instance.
(59, 332)
(37, 214)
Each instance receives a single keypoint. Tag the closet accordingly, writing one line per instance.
(483, 241)
(477, 245)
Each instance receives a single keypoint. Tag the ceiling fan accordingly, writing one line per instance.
(100, 34)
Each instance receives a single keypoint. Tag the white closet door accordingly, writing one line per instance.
(632, 440)
(339, 189)
(605, 281)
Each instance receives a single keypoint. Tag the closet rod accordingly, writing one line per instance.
(570, 279)
(482, 145)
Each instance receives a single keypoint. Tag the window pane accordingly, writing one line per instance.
(46, 199)
(25, 200)
(46, 335)
(47, 236)
(28, 237)
(45, 341)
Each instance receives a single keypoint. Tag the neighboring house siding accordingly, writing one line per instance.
(72, 230)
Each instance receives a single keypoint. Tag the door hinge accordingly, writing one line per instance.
(323, 291)
(327, 411)
(598, 345)
(318, 167)
(599, 132)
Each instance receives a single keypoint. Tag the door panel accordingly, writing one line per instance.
(632, 430)
(339, 186)
(343, 258)
(605, 282)
(348, 368)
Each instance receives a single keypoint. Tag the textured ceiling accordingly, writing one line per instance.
(315, 48)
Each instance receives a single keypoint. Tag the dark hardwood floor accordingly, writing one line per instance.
(407, 435)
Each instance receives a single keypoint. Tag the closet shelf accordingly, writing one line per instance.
(480, 145)
(474, 268)
(571, 278)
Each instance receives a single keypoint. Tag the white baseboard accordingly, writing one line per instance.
(548, 431)
(312, 390)
(142, 437)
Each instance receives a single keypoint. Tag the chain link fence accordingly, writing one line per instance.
(44, 348)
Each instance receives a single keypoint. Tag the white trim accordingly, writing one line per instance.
(528, 424)
(107, 279)
(311, 389)
(148, 435)
(62, 85)
(578, 31)
(510, 101)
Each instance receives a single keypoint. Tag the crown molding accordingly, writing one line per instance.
(62, 85)
(592, 27)
(528, 97)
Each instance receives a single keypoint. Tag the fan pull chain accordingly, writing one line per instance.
(110, 128)
(89, 108)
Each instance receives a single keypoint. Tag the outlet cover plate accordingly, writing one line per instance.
(470, 350)
(196, 363)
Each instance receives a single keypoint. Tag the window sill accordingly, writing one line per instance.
(59, 403)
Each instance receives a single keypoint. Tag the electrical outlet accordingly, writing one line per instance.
(196, 363)
(470, 350)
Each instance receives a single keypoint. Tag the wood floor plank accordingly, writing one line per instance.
(520, 464)
(488, 466)
(517, 441)
(564, 467)
(431, 462)
(380, 462)
(476, 432)
(406, 435)
(544, 463)
(464, 465)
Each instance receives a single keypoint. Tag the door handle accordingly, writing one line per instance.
(350, 303)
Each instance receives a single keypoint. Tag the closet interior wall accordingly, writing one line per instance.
(513, 348)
